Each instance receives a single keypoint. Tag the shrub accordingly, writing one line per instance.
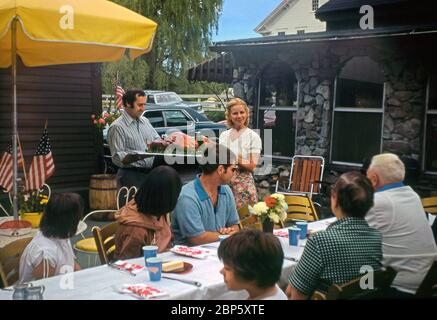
(215, 116)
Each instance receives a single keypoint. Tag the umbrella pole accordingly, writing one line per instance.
(14, 117)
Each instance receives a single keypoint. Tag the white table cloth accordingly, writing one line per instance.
(103, 282)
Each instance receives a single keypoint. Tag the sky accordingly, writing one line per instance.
(240, 17)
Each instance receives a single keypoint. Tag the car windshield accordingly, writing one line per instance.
(167, 98)
(196, 115)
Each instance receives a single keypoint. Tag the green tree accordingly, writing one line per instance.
(132, 73)
(184, 33)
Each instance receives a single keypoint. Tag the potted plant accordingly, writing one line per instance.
(31, 206)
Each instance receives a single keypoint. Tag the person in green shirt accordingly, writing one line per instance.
(346, 248)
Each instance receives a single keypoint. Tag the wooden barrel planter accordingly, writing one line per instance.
(103, 195)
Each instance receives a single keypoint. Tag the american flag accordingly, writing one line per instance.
(42, 165)
(119, 92)
(6, 169)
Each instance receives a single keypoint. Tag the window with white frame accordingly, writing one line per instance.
(301, 31)
(430, 143)
(315, 5)
(358, 112)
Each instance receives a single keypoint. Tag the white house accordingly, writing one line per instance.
(292, 17)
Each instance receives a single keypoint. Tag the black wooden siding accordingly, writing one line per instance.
(65, 95)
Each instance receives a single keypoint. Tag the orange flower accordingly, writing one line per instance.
(270, 202)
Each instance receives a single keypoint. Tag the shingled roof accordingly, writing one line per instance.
(339, 5)
(386, 12)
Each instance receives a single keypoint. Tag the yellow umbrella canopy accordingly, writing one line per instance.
(48, 32)
(72, 31)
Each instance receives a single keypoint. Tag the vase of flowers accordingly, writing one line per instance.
(31, 206)
(270, 211)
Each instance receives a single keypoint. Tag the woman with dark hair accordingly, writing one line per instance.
(50, 252)
(346, 248)
(142, 221)
(252, 261)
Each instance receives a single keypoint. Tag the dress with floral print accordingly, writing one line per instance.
(244, 189)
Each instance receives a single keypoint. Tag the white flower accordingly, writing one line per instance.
(260, 208)
(251, 211)
(283, 216)
(274, 217)
(278, 196)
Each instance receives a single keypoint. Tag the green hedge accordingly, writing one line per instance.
(215, 116)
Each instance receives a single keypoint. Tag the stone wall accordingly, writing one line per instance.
(245, 84)
(314, 104)
(405, 96)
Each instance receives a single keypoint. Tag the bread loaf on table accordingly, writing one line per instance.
(172, 266)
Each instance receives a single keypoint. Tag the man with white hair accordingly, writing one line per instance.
(407, 242)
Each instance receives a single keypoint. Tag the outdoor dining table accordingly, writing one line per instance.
(7, 239)
(104, 282)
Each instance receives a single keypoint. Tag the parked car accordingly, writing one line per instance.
(178, 118)
(166, 120)
(170, 99)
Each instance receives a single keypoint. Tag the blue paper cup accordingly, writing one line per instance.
(150, 252)
(303, 226)
(293, 236)
(154, 267)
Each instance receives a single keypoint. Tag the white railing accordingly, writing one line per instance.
(200, 97)
(108, 100)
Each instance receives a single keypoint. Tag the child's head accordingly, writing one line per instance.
(251, 257)
(62, 215)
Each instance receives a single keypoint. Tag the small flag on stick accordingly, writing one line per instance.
(42, 165)
(119, 92)
(6, 167)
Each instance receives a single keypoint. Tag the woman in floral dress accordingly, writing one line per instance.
(246, 145)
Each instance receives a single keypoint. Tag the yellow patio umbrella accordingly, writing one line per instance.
(48, 32)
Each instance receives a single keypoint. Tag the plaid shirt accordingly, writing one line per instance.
(337, 254)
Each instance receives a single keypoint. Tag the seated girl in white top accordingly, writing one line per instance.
(252, 261)
(50, 253)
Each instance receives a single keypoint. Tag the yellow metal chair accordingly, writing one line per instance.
(352, 290)
(300, 208)
(248, 220)
(10, 261)
(87, 245)
(105, 241)
(125, 195)
(430, 205)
